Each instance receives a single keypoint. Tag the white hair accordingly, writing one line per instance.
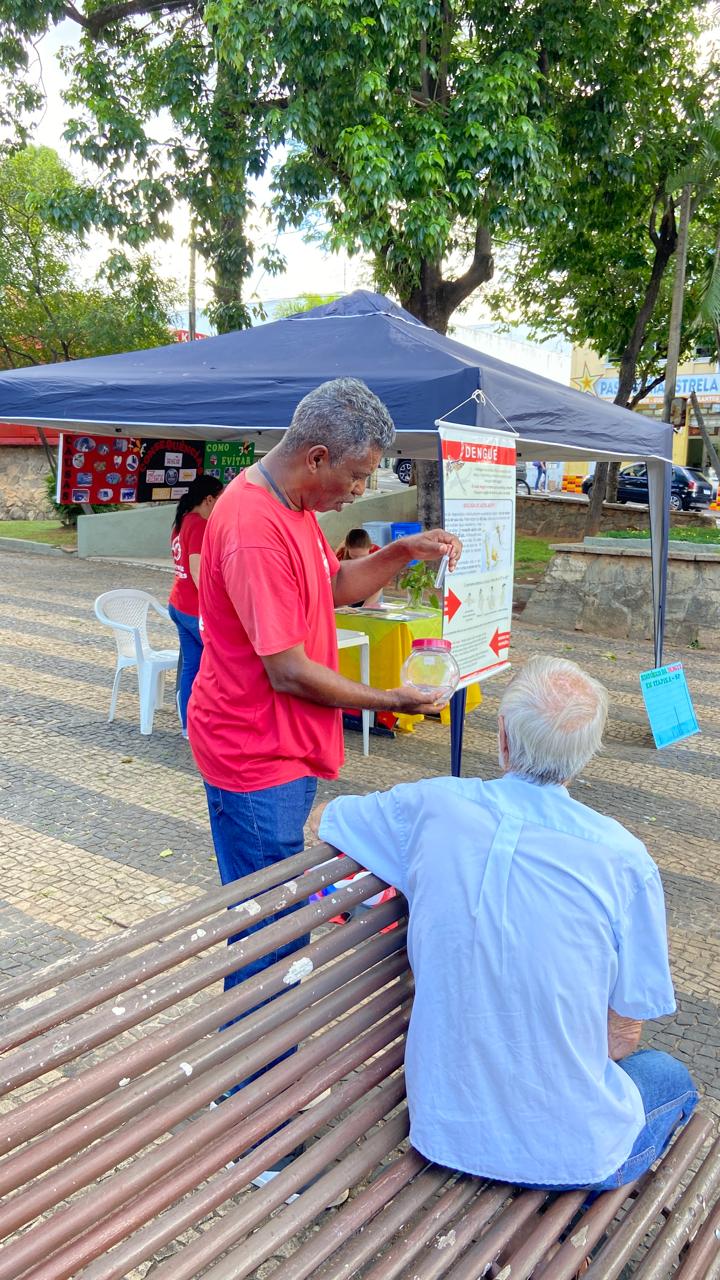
(554, 716)
(345, 415)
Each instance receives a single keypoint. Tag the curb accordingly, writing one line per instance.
(23, 545)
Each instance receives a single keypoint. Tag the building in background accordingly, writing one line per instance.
(596, 377)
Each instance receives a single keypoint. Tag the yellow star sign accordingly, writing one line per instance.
(586, 381)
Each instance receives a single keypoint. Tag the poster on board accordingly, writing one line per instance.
(167, 468)
(97, 470)
(478, 470)
(225, 459)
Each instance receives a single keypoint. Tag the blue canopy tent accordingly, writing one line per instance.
(246, 385)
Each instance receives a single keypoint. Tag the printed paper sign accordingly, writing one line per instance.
(478, 469)
(668, 704)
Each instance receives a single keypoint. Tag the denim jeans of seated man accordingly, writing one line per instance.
(252, 830)
(669, 1098)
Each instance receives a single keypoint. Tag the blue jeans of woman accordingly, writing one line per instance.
(191, 647)
(252, 830)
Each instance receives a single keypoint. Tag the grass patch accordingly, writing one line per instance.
(676, 535)
(531, 557)
(49, 531)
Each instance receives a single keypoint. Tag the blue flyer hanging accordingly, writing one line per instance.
(668, 704)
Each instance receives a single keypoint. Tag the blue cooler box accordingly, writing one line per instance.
(402, 529)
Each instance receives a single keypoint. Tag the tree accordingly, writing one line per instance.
(162, 122)
(47, 312)
(428, 133)
(599, 276)
(304, 302)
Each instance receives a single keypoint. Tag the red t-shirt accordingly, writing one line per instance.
(265, 586)
(186, 543)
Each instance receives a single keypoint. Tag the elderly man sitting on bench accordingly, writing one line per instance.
(537, 938)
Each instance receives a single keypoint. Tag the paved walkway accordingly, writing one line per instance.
(100, 827)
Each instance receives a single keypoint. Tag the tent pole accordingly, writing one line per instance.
(457, 723)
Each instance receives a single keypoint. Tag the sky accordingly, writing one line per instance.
(309, 268)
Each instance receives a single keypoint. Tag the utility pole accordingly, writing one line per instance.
(192, 301)
(676, 311)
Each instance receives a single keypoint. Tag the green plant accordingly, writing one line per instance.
(68, 512)
(418, 579)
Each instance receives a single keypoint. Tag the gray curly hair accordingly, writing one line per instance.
(345, 416)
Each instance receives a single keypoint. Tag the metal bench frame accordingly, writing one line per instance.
(110, 1155)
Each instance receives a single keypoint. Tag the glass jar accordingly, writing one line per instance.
(431, 668)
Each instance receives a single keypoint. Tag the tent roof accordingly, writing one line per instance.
(247, 384)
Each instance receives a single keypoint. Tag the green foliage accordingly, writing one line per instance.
(419, 580)
(304, 302)
(419, 132)
(47, 313)
(679, 534)
(602, 275)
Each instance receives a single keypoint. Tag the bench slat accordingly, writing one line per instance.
(121, 1159)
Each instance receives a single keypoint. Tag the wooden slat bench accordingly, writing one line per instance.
(113, 1164)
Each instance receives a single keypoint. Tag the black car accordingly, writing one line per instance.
(689, 489)
(403, 469)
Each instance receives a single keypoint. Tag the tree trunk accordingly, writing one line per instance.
(428, 494)
(612, 481)
(665, 240)
(676, 313)
(433, 301)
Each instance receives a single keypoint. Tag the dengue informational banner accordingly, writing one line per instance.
(97, 470)
(478, 469)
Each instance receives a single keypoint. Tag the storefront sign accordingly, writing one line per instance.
(478, 470)
(705, 385)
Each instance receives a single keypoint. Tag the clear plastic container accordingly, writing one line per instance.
(431, 668)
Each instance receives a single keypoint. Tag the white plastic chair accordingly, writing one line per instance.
(348, 640)
(126, 612)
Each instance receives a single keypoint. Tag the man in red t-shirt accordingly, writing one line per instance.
(264, 718)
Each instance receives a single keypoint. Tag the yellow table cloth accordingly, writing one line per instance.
(390, 644)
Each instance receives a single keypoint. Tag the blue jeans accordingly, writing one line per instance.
(191, 647)
(669, 1098)
(252, 830)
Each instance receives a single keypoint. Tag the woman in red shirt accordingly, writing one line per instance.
(188, 532)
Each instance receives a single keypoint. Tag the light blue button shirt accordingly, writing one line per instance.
(530, 916)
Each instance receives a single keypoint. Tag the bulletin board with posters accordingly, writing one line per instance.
(96, 470)
(167, 468)
(121, 471)
(478, 469)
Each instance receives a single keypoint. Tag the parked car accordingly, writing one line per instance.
(403, 469)
(689, 487)
(521, 480)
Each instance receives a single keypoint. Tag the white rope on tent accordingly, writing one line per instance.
(479, 397)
